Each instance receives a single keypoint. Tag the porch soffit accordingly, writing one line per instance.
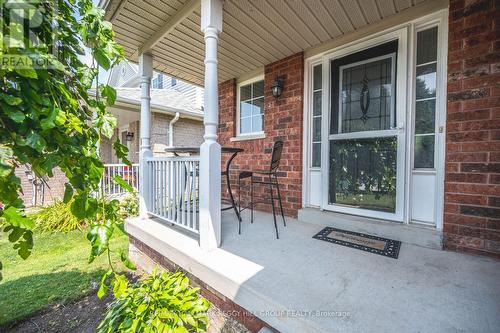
(255, 32)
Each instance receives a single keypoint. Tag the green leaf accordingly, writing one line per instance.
(120, 284)
(126, 261)
(6, 161)
(27, 72)
(84, 206)
(22, 239)
(110, 94)
(108, 126)
(68, 192)
(102, 59)
(102, 285)
(16, 115)
(121, 152)
(99, 236)
(35, 141)
(123, 184)
(11, 100)
(14, 217)
(50, 121)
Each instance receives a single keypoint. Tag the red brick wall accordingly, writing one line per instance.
(472, 181)
(55, 192)
(282, 120)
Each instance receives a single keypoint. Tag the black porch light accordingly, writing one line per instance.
(277, 87)
(129, 136)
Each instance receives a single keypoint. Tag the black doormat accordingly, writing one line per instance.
(374, 244)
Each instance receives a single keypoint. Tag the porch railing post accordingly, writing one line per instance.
(146, 72)
(210, 163)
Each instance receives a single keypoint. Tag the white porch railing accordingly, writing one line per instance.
(174, 188)
(129, 173)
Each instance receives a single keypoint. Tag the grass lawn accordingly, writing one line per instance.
(56, 271)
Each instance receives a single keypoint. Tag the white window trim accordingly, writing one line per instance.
(253, 135)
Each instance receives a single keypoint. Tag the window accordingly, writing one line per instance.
(251, 108)
(363, 90)
(158, 82)
(316, 116)
(425, 98)
(173, 82)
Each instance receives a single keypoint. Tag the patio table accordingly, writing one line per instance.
(225, 150)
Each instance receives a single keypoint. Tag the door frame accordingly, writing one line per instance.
(401, 99)
(310, 184)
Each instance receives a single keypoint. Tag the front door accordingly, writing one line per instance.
(366, 134)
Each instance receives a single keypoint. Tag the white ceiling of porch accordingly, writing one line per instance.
(255, 32)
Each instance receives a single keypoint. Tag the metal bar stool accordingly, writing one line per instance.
(272, 182)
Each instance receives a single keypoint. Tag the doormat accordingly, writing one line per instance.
(374, 244)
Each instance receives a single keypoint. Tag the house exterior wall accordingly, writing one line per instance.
(187, 132)
(472, 181)
(54, 190)
(282, 121)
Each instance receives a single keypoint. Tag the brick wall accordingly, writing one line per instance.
(187, 132)
(54, 190)
(472, 181)
(282, 121)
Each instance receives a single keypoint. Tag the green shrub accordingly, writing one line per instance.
(129, 206)
(160, 302)
(58, 217)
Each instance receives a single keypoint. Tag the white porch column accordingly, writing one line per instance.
(146, 72)
(210, 164)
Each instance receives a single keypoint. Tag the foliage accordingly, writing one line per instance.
(56, 272)
(364, 169)
(129, 206)
(161, 302)
(58, 217)
(47, 117)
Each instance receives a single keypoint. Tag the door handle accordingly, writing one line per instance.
(400, 127)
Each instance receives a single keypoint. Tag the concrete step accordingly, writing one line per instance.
(407, 233)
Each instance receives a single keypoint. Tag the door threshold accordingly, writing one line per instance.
(416, 234)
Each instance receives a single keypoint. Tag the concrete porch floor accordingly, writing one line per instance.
(285, 282)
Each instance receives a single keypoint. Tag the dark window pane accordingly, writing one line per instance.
(425, 115)
(246, 92)
(426, 81)
(316, 154)
(245, 109)
(427, 46)
(258, 106)
(317, 77)
(317, 103)
(424, 151)
(366, 96)
(258, 89)
(317, 129)
(363, 173)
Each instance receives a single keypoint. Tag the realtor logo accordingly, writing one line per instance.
(27, 36)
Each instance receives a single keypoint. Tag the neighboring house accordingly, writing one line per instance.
(177, 112)
(177, 120)
(389, 116)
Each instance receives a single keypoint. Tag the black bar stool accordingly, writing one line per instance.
(272, 182)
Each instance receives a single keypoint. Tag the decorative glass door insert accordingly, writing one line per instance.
(363, 133)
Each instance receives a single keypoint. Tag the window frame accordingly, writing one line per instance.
(251, 135)
(311, 141)
(437, 98)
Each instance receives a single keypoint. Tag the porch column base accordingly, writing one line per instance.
(210, 196)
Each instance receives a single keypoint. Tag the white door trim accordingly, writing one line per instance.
(401, 82)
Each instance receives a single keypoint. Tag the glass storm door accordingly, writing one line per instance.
(366, 139)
